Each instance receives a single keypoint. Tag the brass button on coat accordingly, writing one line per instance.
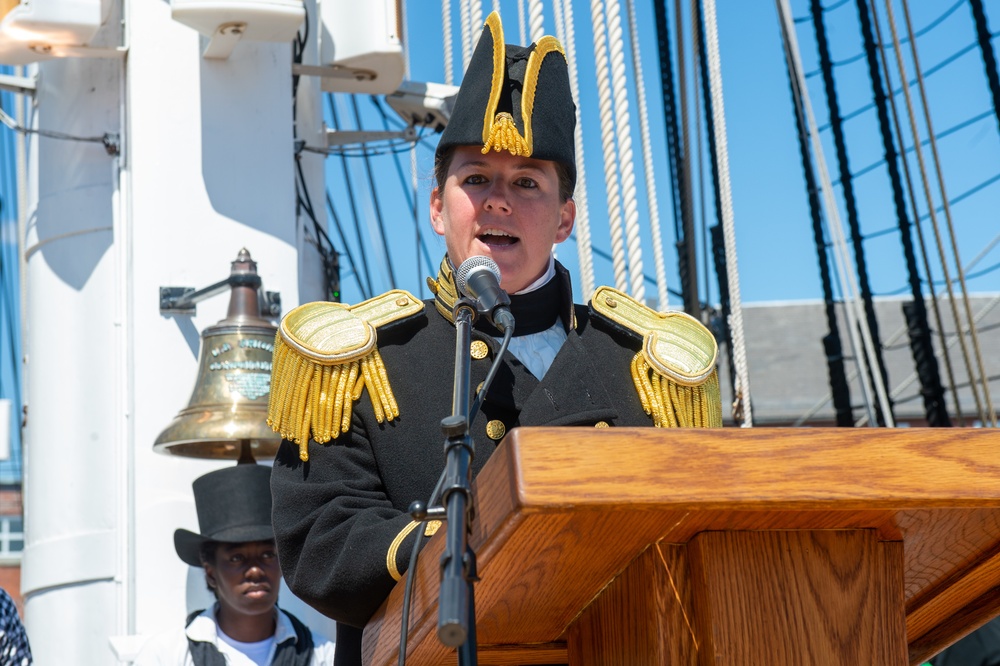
(602, 424)
(495, 430)
(479, 349)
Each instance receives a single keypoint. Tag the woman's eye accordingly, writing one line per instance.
(527, 183)
(475, 179)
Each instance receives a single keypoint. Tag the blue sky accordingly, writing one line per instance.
(776, 253)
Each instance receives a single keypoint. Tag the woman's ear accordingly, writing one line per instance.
(437, 211)
(567, 218)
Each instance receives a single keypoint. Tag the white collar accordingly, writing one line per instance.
(204, 627)
(542, 281)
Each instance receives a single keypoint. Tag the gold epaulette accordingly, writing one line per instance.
(324, 357)
(675, 372)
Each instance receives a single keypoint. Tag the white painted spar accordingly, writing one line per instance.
(207, 166)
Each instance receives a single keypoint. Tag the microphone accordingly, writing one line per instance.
(479, 279)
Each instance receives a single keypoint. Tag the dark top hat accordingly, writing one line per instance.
(515, 98)
(234, 506)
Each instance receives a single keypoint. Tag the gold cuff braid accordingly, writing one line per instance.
(390, 555)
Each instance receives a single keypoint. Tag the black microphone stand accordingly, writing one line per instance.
(456, 603)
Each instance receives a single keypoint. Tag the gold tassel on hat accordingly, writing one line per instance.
(504, 136)
(324, 358)
(674, 374)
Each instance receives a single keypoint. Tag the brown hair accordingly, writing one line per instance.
(442, 163)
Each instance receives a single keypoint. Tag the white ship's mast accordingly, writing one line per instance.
(202, 163)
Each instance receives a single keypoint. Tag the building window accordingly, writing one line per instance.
(11, 538)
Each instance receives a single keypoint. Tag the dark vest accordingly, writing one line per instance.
(288, 653)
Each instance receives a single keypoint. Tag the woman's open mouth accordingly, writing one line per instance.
(497, 237)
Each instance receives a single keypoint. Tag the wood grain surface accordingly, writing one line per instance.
(562, 513)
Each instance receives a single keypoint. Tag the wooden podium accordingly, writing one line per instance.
(759, 547)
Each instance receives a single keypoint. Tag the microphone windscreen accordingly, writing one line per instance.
(471, 265)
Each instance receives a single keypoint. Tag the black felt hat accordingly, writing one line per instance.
(234, 506)
(515, 98)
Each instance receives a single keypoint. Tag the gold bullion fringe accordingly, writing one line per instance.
(444, 290)
(309, 399)
(504, 136)
(674, 405)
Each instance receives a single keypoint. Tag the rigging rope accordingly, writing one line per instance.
(449, 65)
(411, 191)
(931, 210)
(909, 379)
(984, 378)
(920, 340)
(699, 153)
(520, 22)
(986, 49)
(688, 248)
(623, 131)
(715, 231)
(647, 160)
(911, 190)
(839, 387)
(850, 202)
(608, 143)
(375, 201)
(466, 20)
(366, 286)
(919, 33)
(536, 20)
(670, 122)
(475, 24)
(714, 72)
(855, 322)
(343, 241)
(566, 34)
(959, 334)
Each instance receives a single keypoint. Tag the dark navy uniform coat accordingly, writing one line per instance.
(336, 515)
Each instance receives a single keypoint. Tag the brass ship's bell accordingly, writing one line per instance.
(225, 417)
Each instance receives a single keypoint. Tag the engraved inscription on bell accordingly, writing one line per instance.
(245, 364)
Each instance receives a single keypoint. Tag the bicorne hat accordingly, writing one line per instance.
(234, 506)
(515, 98)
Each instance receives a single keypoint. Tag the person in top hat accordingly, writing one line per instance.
(236, 550)
(358, 392)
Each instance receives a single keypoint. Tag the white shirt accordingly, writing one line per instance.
(259, 652)
(537, 350)
(171, 648)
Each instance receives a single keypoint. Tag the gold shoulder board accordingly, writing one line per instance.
(675, 372)
(325, 355)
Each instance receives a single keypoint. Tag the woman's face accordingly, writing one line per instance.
(504, 207)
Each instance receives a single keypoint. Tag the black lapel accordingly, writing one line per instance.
(572, 392)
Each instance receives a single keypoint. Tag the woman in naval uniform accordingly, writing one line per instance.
(358, 393)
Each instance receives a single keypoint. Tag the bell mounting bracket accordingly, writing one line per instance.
(184, 300)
